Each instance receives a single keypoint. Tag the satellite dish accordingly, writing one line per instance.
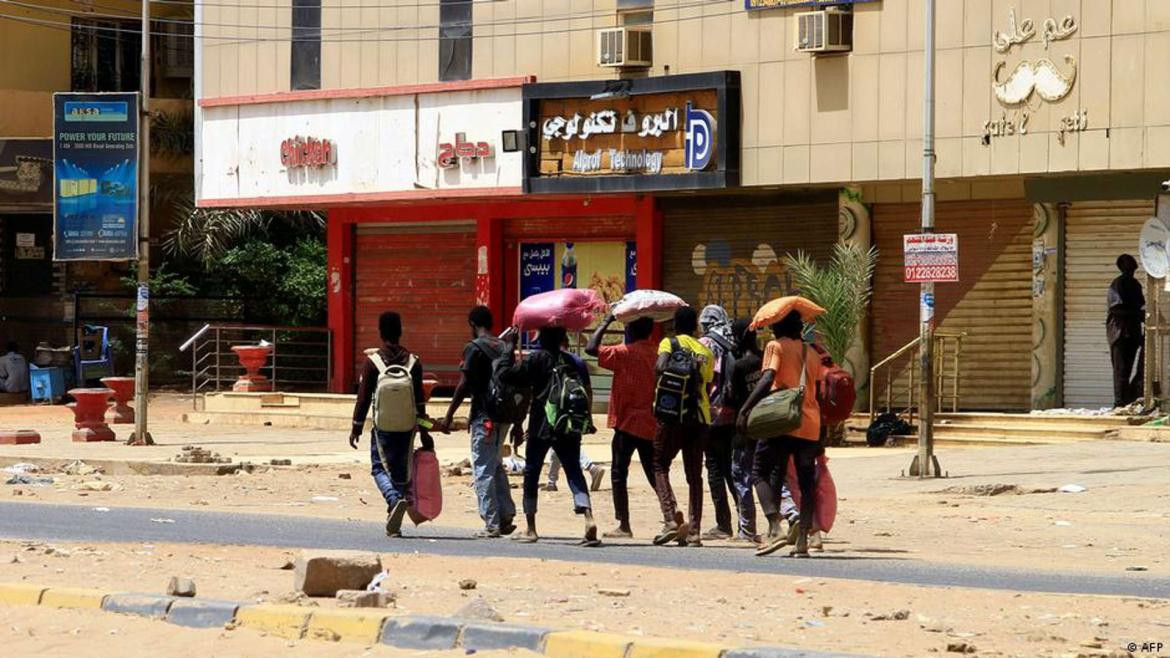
(1152, 248)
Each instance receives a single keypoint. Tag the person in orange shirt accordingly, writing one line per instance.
(785, 359)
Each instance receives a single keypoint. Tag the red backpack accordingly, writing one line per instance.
(836, 391)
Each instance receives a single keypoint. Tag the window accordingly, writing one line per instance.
(105, 55)
(635, 12)
(455, 39)
(306, 44)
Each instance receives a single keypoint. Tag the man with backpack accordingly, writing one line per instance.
(560, 413)
(717, 336)
(685, 368)
(631, 404)
(495, 407)
(391, 381)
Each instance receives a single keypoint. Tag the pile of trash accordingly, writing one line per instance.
(197, 455)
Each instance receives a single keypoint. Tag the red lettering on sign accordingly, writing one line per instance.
(450, 154)
(307, 152)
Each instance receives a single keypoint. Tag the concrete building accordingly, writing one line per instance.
(1053, 131)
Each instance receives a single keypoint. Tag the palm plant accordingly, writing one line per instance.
(203, 233)
(842, 286)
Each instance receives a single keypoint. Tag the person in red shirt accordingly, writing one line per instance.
(631, 408)
(788, 363)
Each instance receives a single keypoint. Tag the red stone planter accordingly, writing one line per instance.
(89, 414)
(19, 437)
(429, 384)
(252, 358)
(123, 388)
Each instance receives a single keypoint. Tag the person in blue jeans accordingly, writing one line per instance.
(487, 435)
(390, 452)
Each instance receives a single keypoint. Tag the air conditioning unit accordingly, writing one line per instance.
(625, 47)
(828, 30)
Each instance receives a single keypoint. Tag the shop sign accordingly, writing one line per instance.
(789, 4)
(1030, 82)
(537, 262)
(931, 257)
(26, 174)
(450, 154)
(298, 151)
(95, 167)
(640, 134)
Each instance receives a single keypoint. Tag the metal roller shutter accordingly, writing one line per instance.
(1095, 234)
(992, 303)
(425, 272)
(730, 251)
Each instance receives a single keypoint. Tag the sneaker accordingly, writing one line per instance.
(793, 529)
(551, 486)
(507, 527)
(668, 534)
(816, 542)
(394, 519)
(716, 534)
(745, 538)
(694, 542)
(488, 533)
(618, 533)
(598, 474)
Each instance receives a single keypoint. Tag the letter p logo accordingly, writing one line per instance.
(700, 129)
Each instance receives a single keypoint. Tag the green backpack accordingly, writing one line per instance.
(780, 412)
(567, 409)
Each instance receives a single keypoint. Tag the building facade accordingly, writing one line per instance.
(1053, 127)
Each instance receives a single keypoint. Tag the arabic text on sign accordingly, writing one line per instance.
(605, 122)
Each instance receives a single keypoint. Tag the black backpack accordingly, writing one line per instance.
(504, 403)
(676, 393)
(884, 426)
(721, 392)
(567, 409)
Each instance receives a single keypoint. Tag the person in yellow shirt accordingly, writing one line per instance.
(684, 431)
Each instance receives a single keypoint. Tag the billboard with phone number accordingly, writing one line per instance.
(95, 176)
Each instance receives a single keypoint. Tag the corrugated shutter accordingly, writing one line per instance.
(1095, 234)
(425, 272)
(992, 303)
(730, 251)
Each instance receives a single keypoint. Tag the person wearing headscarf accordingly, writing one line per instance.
(718, 337)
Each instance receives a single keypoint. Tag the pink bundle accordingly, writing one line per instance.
(826, 507)
(572, 308)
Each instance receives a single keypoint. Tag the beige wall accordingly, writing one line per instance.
(854, 117)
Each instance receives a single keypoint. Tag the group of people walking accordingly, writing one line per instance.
(688, 395)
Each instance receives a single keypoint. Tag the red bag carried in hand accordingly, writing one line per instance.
(826, 508)
(425, 486)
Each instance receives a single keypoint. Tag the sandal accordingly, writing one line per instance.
(774, 544)
(668, 534)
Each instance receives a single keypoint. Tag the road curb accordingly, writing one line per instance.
(143, 605)
(372, 626)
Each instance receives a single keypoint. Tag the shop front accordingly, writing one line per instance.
(27, 274)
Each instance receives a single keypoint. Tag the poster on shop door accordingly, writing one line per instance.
(631, 266)
(931, 257)
(95, 177)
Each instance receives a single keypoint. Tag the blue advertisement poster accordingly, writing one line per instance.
(631, 266)
(95, 176)
(537, 265)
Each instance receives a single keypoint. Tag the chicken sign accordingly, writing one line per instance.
(931, 257)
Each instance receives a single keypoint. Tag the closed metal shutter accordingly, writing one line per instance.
(425, 272)
(731, 251)
(1095, 234)
(992, 303)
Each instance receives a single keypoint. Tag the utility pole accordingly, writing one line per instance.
(925, 464)
(141, 435)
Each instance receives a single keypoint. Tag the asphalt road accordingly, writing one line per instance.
(122, 524)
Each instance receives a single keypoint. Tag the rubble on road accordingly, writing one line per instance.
(78, 467)
(479, 609)
(323, 573)
(356, 598)
(181, 587)
(198, 455)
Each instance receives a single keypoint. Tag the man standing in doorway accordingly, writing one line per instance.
(487, 434)
(1123, 326)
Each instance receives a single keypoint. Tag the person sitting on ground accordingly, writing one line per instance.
(631, 403)
(559, 414)
(390, 451)
(785, 358)
(487, 434)
(686, 433)
(13, 370)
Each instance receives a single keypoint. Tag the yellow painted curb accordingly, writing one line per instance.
(20, 593)
(73, 597)
(287, 621)
(349, 625)
(586, 644)
(655, 648)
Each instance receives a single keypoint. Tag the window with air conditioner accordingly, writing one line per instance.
(824, 31)
(625, 47)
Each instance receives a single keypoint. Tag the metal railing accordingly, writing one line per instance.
(948, 349)
(301, 359)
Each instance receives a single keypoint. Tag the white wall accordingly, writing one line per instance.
(384, 144)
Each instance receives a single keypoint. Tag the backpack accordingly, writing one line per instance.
(886, 425)
(504, 402)
(722, 412)
(568, 407)
(837, 392)
(394, 403)
(676, 392)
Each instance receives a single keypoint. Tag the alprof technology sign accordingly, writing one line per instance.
(676, 132)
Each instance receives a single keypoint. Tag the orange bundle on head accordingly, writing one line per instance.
(777, 309)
